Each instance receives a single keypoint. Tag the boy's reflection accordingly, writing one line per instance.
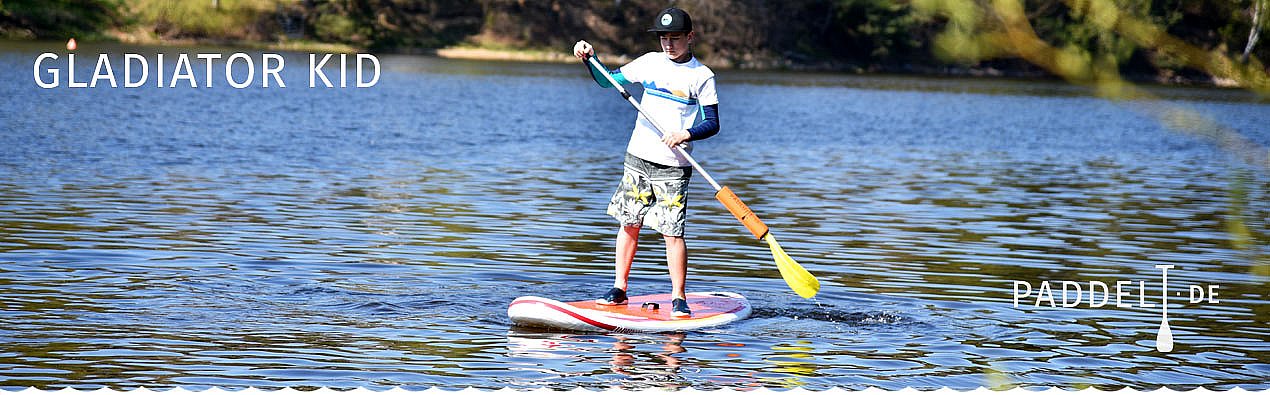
(624, 360)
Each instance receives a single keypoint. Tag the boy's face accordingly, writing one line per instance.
(675, 44)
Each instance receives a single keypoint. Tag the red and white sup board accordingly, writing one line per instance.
(637, 315)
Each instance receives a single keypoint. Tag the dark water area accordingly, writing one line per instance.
(374, 237)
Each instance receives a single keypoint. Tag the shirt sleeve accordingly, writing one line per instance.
(634, 71)
(706, 95)
(709, 125)
(599, 77)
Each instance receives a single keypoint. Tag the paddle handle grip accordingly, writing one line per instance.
(741, 212)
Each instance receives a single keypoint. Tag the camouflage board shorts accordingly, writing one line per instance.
(652, 194)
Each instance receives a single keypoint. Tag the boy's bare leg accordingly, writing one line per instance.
(627, 242)
(677, 261)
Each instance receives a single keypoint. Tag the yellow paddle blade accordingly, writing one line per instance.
(802, 282)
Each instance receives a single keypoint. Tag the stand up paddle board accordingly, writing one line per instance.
(649, 313)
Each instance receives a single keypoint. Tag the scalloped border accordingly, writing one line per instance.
(179, 390)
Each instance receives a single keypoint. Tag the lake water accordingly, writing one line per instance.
(271, 237)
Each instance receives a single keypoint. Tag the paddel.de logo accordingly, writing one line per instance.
(1099, 294)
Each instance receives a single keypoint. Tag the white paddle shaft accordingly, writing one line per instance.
(661, 132)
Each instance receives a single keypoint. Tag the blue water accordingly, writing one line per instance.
(374, 237)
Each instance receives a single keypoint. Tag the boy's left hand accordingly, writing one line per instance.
(675, 138)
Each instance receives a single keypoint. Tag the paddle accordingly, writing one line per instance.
(802, 282)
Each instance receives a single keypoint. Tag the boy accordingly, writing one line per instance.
(677, 88)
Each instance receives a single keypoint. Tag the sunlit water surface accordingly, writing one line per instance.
(374, 237)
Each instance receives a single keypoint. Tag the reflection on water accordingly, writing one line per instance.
(345, 238)
(633, 361)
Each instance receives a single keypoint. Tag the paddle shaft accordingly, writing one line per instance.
(661, 132)
(723, 194)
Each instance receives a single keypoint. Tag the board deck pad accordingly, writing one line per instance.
(708, 309)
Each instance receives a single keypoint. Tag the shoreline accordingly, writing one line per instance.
(987, 72)
(478, 53)
(286, 45)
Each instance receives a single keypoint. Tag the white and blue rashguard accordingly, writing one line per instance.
(675, 94)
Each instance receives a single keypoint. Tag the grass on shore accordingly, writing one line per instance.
(242, 23)
(200, 18)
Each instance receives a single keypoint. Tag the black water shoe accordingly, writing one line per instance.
(679, 308)
(615, 297)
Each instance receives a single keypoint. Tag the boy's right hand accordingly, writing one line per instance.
(582, 50)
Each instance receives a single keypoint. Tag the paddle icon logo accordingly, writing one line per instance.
(1099, 294)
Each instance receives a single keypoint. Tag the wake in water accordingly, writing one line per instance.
(835, 316)
(838, 322)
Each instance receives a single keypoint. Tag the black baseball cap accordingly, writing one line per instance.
(672, 20)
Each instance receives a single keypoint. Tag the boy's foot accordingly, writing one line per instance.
(679, 308)
(615, 297)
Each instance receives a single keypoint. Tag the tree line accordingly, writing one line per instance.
(857, 35)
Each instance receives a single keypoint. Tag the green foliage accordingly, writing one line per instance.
(1094, 39)
(57, 18)
(392, 24)
(1093, 28)
(857, 34)
(880, 30)
(340, 28)
(1221, 26)
(231, 19)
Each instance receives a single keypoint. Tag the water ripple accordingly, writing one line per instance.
(374, 237)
